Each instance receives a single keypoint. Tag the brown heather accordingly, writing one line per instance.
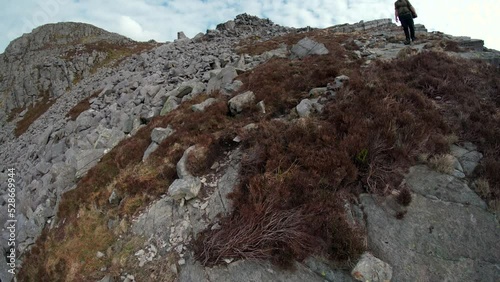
(82, 106)
(33, 113)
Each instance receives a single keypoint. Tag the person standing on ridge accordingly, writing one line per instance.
(405, 12)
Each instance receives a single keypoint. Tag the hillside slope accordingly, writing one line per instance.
(307, 148)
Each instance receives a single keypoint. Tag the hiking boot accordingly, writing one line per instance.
(414, 39)
(407, 42)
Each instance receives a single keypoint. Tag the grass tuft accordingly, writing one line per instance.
(443, 163)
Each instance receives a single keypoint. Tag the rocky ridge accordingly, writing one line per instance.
(49, 61)
(55, 152)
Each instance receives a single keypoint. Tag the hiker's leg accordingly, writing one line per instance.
(404, 23)
(412, 28)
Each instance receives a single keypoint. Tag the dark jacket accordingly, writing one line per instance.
(403, 7)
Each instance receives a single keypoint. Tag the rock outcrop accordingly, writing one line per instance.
(49, 60)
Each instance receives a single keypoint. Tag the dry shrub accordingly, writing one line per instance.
(268, 234)
(443, 163)
(494, 205)
(452, 139)
(451, 46)
(406, 53)
(130, 151)
(483, 187)
(404, 196)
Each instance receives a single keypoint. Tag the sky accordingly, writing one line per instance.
(160, 20)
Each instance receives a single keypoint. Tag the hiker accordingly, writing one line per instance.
(405, 12)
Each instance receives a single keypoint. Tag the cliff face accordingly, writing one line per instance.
(49, 60)
(125, 153)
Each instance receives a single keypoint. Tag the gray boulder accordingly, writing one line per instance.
(84, 160)
(108, 138)
(192, 88)
(114, 198)
(85, 120)
(44, 138)
(232, 88)
(64, 176)
(307, 47)
(281, 52)
(151, 148)
(181, 35)
(159, 134)
(43, 167)
(316, 92)
(171, 104)
(182, 170)
(339, 82)
(470, 161)
(186, 188)
(107, 278)
(239, 102)
(203, 105)
(370, 268)
(221, 79)
(307, 106)
(160, 98)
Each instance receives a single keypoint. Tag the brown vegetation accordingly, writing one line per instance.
(82, 106)
(34, 112)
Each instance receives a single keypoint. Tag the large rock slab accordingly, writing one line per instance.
(307, 47)
(156, 219)
(434, 185)
(244, 271)
(444, 236)
(218, 201)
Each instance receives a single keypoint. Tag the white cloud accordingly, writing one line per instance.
(162, 19)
